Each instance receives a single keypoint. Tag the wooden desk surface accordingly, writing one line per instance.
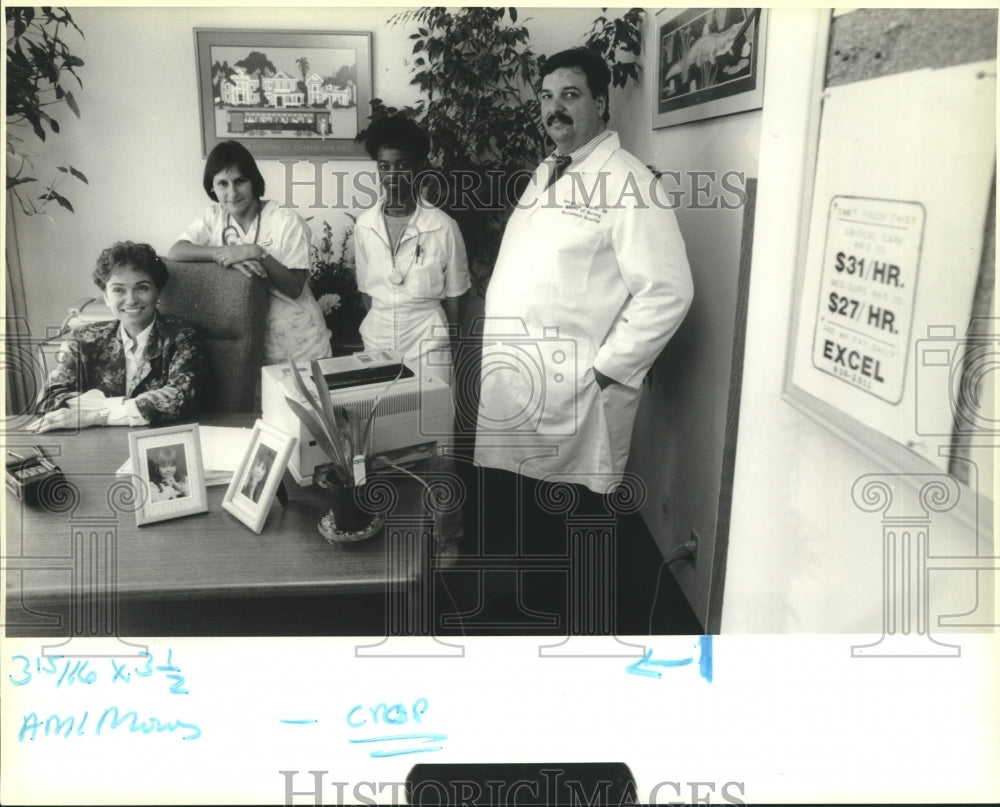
(209, 556)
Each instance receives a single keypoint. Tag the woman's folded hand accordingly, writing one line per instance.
(71, 417)
(250, 268)
(235, 254)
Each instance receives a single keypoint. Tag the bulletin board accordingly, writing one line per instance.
(892, 258)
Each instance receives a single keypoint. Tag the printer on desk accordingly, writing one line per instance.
(416, 411)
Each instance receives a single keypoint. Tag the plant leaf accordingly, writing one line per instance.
(323, 393)
(52, 195)
(330, 426)
(343, 436)
(325, 416)
(316, 430)
(35, 122)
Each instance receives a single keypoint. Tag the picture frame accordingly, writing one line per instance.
(255, 482)
(168, 464)
(710, 63)
(284, 93)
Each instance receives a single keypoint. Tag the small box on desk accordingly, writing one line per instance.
(26, 469)
(417, 410)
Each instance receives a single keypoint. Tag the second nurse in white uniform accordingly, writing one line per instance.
(411, 261)
(258, 237)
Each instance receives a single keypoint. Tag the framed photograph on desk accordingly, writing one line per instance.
(168, 465)
(258, 475)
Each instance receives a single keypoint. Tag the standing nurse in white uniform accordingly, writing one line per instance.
(410, 256)
(264, 241)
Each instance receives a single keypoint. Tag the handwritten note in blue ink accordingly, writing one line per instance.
(648, 665)
(383, 719)
(68, 672)
(64, 673)
(34, 727)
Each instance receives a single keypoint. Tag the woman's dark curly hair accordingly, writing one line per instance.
(141, 257)
(397, 132)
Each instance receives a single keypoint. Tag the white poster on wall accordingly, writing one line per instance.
(893, 199)
(870, 265)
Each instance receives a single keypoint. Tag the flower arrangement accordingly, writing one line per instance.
(334, 283)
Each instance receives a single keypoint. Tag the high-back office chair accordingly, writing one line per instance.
(231, 309)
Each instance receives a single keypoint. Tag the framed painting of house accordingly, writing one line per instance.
(711, 63)
(284, 93)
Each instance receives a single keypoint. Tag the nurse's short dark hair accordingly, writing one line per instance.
(141, 257)
(229, 154)
(591, 64)
(397, 132)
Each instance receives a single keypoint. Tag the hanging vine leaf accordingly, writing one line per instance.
(52, 196)
(38, 63)
(69, 169)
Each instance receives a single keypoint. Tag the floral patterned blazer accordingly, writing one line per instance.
(170, 378)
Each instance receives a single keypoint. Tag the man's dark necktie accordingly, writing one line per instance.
(562, 163)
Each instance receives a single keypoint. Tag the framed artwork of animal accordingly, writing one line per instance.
(711, 63)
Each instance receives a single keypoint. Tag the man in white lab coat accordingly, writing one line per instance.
(591, 282)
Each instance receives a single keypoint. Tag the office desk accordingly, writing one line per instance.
(205, 574)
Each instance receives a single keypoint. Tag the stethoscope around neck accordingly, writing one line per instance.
(396, 277)
(231, 236)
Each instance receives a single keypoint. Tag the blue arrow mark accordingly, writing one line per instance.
(705, 659)
(640, 667)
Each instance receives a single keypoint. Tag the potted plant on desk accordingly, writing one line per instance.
(346, 440)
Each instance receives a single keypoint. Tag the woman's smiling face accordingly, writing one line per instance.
(131, 295)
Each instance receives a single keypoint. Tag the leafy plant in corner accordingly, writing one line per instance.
(479, 77)
(39, 65)
(617, 38)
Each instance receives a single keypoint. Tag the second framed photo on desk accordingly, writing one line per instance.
(168, 463)
(258, 475)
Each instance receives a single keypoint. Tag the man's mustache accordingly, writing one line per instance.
(561, 117)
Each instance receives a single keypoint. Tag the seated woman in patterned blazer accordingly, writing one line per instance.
(143, 367)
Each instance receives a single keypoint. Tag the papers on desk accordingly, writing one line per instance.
(222, 448)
